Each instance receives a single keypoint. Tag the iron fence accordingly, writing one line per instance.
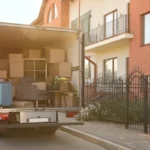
(125, 101)
(108, 30)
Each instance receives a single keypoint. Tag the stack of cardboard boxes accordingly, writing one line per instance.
(3, 74)
(16, 65)
(59, 67)
(31, 53)
(16, 69)
(57, 64)
(13, 68)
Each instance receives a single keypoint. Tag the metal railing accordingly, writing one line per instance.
(108, 30)
(126, 100)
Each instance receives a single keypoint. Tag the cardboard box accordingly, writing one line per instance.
(16, 69)
(68, 101)
(57, 99)
(15, 58)
(55, 55)
(72, 88)
(3, 74)
(61, 69)
(25, 53)
(33, 53)
(64, 87)
(14, 81)
(4, 63)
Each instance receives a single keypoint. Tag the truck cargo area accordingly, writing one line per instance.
(39, 75)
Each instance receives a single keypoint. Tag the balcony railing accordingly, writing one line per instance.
(108, 30)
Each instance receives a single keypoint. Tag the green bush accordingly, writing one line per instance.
(114, 111)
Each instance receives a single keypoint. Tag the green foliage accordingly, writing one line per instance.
(114, 111)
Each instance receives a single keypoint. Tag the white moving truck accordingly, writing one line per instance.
(16, 36)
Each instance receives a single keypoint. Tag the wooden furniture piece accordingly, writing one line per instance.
(59, 98)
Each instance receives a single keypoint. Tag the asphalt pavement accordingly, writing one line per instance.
(28, 140)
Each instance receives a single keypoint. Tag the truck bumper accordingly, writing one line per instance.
(32, 125)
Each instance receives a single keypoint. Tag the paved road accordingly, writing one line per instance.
(27, 140)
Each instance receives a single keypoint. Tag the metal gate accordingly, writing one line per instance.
(137, 101)
(126, 100)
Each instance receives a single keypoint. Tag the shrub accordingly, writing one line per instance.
(113, 111)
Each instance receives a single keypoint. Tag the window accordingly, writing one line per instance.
(74, 25)
(87, 69)
(146, 29)
(110, 68)
(85, 25)
(110, 24)
(50, 16)
(55, 11)
(53, 14)
(35, 69)
(85, 22)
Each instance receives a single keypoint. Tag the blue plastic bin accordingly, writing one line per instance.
(5, 94)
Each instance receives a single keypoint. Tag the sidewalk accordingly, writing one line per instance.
(128, 138)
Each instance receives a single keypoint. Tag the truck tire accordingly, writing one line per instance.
(53, 130)
(3, 134)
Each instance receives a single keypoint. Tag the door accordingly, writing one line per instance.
(110, 24)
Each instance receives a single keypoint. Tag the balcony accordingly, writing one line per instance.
(109, 30)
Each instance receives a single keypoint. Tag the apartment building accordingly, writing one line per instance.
(106, 27)
(107, 35)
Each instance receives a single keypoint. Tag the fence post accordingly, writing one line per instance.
(146, 104)
(127, 103)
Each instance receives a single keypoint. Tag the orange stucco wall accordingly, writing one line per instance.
(63, 13)
(139, 55)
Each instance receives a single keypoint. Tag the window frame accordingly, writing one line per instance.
(143, 28)
(89, 24)
(83, 17)
(113, 71)
(37, 59)
(113, 33)
(89, 69)
(52, 12)
(50, 17)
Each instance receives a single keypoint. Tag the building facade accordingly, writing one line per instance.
(140, 27)
(106, 28)
(53, 13)
(107, 35)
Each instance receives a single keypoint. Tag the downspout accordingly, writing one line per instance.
(80, 55)
(83, 71)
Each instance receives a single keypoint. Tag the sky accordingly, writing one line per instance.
(19, 11)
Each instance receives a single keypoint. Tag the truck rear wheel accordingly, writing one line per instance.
(3, 133)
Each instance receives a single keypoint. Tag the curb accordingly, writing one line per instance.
(93, 139)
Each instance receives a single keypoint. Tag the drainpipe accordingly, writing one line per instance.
(83, 71)
(80, 54)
